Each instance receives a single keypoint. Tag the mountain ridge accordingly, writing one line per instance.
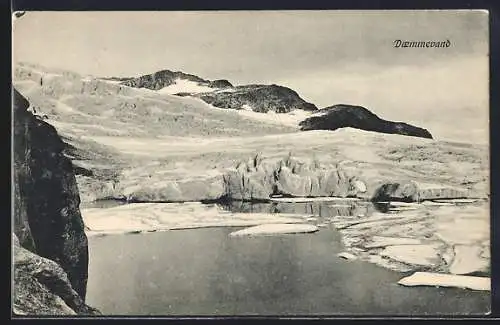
(223, 94)
(248, 100)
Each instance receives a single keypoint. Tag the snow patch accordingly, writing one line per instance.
(114, 82)
(319, 114)
(185, 86)
(360, 186)
(292, 118)
(225, 90)
(247, 107)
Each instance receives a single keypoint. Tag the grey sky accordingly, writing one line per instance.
(327, 56)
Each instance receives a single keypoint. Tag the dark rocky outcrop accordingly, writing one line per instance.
(47, 217)
(259, 179)
(220, 83)
(259, 98)
(411, 191)
(164, 78)
(42, 287)
(341, 116)
(398, 191)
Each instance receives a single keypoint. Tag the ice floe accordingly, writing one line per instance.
(435, 203)
(275, 229)
(141, 217)
(457, 225)
(399, 204)
(423, 255)
(310, 199)
(447, 280)
(381, 241)
(467, 260)
(457, 201)
(347, 256)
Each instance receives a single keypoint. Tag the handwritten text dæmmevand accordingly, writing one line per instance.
(399, 43)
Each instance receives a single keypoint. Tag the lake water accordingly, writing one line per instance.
(206, 272)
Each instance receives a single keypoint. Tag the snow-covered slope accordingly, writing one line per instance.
(185, 86)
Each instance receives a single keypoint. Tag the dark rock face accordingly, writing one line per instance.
(47, 217)
(42, 287)
(411, 191)
(260, 98)
(340, 116)
(220, 83)
(398, 191)
(259, 179)
(164, 78)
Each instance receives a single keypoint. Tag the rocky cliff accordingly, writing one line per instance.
(341, 116)
(47, 218)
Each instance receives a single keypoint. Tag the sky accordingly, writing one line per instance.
(328, 57)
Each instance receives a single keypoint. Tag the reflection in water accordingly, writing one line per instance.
(206, 272)
(319, 209)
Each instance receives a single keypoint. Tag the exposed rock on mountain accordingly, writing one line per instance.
(341, 116)
(259, 98)
(47, 217)
(165, 78)
(258, 179)
(222, 94)
(221, 83)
